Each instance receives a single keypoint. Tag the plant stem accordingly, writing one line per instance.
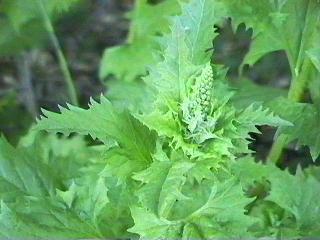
(295, 94)
(61, 58)
(277, 149)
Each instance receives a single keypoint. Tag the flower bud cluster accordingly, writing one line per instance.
(197, 108)
(203, 91)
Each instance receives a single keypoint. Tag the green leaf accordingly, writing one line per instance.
(247, 92)
(314, 55)
(305, 127)
(116, 216)
(191, 36)
(198, 19)
(297, 195)
(220, 215)
(148, 225)
(162, 190)
(285, 25)
(99, 199)
(223, 214)
(297, 199)
(67, 155)
(170, 76)
(130, 95)
(44, 218)
(28, 183)
(104, 122)
(147, 22)
(247, 120)
(314, 83)
(21, 173)
(88, 195)
(292, 26)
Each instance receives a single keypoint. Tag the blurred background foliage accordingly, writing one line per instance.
(30, 77)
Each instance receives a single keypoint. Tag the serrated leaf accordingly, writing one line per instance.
(198, 19)
(191, 36)
(67, 154)
(87, 195)
(162, 190)
(20, 174)
(298, 195)
(169, 77)
(226, 206)
(28, 183)
(221, 215)
(36, 218)
(104, 122)
(153, 227)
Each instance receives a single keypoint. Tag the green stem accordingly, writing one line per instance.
(295, 94)
(277, 149)
(62, 60)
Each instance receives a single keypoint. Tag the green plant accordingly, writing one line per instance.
(176, 165)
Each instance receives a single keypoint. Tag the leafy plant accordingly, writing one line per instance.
(177, 164)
